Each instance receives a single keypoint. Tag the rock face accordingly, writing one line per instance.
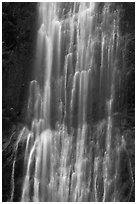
(73, 143)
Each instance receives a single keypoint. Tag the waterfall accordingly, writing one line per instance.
(73, 150)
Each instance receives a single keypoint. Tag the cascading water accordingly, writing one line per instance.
(73, 151)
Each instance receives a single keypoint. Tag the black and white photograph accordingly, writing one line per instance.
(68, 101)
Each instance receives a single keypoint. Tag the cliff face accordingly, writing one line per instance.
(18, 42)
(18, 37)
(19, 28)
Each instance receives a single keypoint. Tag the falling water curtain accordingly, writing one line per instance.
(68, 101)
